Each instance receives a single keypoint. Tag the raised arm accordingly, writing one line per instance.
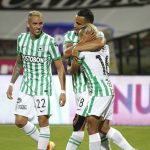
(15, 75)
(92, 40)
(68, 50)
(67, 55)
(61, 73)
(74, 64)
(94, 45)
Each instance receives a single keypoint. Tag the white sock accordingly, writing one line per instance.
(104, 142)
(94, 142)
(31, 130)
(75, 140)
(43, 138)
(118, 139)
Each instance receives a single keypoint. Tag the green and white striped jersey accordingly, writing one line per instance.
(95, 66)
(37, 56)
(78, 79)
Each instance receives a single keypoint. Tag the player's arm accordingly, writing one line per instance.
(68, 55)
(94, 45)
(75, 62)
(91, 42)
(16, 72)
(74, 66)
(68, 50)
(61, 73)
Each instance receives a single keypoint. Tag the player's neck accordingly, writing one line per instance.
(34, 37)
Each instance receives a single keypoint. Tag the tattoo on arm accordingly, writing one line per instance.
(17, 69)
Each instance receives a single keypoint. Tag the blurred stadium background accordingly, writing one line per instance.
(126, 25)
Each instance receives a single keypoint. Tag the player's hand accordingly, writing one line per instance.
(89, 36)
(75, 53)
(62, 99)
(9, 92)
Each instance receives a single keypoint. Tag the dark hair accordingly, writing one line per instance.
(87, 14)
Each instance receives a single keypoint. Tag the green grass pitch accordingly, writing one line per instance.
(12, 138)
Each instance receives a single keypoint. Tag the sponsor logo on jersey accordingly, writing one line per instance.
(33, 59)
(22, 107)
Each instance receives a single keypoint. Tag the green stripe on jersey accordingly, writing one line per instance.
(91, 104)
(71, 37)
(49, 111)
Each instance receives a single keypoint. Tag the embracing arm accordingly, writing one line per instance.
(16, 72)
(68, 55)
(68, 50)
(61, 73)
(74, 64)
(93, 45)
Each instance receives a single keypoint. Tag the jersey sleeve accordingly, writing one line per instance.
(67, 38)
(55, 54)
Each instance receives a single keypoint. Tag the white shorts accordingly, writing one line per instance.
(26, 105)
(81, 100)
(101, 106)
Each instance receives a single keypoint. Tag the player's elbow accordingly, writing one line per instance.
(65, 55)
(101, 42)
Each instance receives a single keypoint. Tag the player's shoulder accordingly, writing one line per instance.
(22, 34)
(106, 48)
(69, 33)
(49, 37)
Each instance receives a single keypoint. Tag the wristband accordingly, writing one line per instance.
(63, 91)
(11, 84)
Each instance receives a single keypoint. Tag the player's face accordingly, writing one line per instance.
(35, 25)
(78, 23)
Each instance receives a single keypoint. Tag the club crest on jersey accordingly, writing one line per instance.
(40, 48)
